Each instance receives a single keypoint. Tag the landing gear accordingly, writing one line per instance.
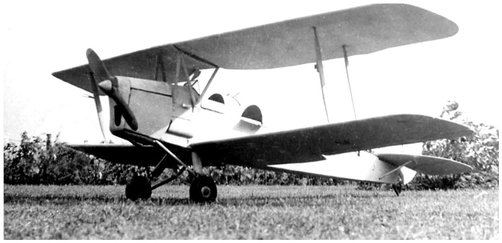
(398, 187)
(203, 189)
(138, 188)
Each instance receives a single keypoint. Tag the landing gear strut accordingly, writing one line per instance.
(398, 187)
(202, 188)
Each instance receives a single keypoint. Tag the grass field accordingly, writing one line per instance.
(249, 212)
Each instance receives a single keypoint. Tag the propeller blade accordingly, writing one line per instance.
(109, 85)
(97, 66)
(126, 112)
(99, 108)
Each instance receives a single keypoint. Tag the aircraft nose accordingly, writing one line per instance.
(106, 86)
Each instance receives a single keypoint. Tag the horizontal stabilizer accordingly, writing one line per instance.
(426, 164)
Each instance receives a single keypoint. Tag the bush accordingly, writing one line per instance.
(481, 151)
(41, 161)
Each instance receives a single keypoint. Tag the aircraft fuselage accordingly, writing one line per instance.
(167, 111)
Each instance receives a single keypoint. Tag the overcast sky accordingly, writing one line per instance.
(41, 37)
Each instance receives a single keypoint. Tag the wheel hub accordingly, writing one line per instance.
(205, 191)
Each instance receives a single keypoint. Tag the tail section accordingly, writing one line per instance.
(382, 168)
(355, 166)
(426, 164)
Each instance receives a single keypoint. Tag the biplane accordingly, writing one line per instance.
(155, 105)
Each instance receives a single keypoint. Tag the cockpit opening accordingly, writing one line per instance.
(218, 98)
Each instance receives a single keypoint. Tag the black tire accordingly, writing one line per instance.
(138, 188)
(203, 190)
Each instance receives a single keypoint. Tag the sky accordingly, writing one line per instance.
(41, 37)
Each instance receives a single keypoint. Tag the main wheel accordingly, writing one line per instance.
(139, 187)
(203, 189)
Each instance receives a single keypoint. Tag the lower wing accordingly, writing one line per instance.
(268, 151)
(130, 154)
(311, 144)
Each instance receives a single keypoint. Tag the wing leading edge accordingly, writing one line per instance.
(310, 144)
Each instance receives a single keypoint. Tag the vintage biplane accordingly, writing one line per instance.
(155, 105)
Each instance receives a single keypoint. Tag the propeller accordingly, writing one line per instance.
(110, 85)
(99, 108)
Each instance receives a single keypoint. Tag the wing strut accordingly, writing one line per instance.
(346, 58)
(189, 82)
(202, 95)
(320, 68)
(159, 67)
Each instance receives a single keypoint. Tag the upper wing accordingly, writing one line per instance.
(310, 144)
(362, 30)
(154, 64)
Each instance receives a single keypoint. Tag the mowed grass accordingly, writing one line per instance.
(249, 212)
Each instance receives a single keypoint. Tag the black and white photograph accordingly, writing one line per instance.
(250, 120)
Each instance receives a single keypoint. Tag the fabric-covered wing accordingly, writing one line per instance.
(362, 30)
(310, 144)
(155, 64)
